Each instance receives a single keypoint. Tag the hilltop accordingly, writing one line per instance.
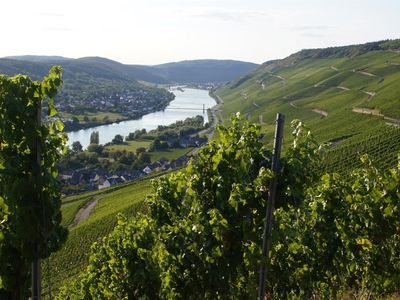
(189, 71)
(340, 92)
(98, 90)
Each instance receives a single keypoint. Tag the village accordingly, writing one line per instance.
(82, 179)
(128, 104)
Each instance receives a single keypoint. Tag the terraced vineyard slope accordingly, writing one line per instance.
(339, 93)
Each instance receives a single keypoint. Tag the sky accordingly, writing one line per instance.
(158, 31)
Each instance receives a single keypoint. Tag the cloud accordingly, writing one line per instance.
(310, 31)
(51, 14)
(309, 28)
(60, 29)
(225, 15)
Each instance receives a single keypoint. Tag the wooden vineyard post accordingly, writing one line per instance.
(36, 276)
(280, 120)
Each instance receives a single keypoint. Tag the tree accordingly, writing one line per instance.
(28, 182)
(95, 148)
(75, 121)
(140, 150)
(94, 137)
(118, 139)
(77, 146)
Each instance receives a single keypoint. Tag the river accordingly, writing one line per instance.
(187, 103)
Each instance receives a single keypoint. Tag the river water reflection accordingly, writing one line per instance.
(187, 103)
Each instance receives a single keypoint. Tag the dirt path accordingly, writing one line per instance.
(256, 105)
(279, 76)
(334, 68)
(343, 88)
(370, 95)
(321, 112)
(85, 211)
(261, 83)
(366, 73)
(375, 112)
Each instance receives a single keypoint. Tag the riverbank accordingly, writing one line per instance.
(101, 118)
(186, 104)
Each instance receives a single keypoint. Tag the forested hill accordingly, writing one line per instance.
(193, 71)
(340, 92)
(207, 70)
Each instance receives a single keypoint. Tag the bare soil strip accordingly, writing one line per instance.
(85, 211)
(321, 112)
(366, 73)
(343, 88)
(334, 68)
(279, 76)
(375, 112)
(370, 95)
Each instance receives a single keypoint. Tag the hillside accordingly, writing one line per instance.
(205, 71)
(339, 92)
(190, 71)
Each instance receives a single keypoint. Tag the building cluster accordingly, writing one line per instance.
(126, 103)
(83, 180)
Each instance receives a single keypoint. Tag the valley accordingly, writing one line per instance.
(196, 187)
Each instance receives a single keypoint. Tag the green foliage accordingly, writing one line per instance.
(118, 139)
(95, 148)
(207, 222)
(202, 235)
(72, 258)
(31, 192)
(94, 137)
(382, 146)
(77, 147)
(343, 235)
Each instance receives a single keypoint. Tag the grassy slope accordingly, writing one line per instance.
(72, 257)
(169, 154)
(311, 83)
(130, 146)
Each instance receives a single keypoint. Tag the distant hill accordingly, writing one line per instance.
(203, 71)
(340, 92)
(193, 71)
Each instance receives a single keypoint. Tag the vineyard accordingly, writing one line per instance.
(72, 258)
(200, 234)
(382, 146)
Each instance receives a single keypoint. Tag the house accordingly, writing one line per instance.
(66, 175)
(106, 184)
(137, 174)
(76, 178)
(148, 169)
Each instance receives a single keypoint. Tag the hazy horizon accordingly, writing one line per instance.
(156, 32)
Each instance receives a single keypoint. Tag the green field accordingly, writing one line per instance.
(130, 146)
(169, 154)
(110, 116)
(307, 88)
